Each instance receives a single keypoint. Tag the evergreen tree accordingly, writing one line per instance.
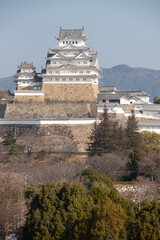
(107, 222)
(10, 142)
(133, 135)
(9, 138)
(54, 211)
(147, 224)
(106, 132)
(94, 146)
(134, 158)
(101, 136)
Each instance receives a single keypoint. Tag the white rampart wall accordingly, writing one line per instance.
(46, 121)
(148, 128)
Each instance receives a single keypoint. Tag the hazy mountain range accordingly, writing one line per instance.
(8, 83)
(123, 76)
(127, 78)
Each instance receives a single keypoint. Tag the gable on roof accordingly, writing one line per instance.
(57, 55)
(83, 55)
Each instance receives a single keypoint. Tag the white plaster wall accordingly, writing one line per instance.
(47, 122)
(149, 129)
(60, 80)
(26, 84)
(79, 42)
(124, 101)
(27, 70)
(153, 115)
(117, 110)
(27, 93)
(25, 77)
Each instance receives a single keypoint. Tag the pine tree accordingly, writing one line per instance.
(101, 139)
(9, 138)
(94, 146)
(10, 142)
(106, 132)
(134, 158)
(134, 137)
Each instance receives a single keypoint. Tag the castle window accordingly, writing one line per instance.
(81, 72)
(87, 71)
(79, 62)
(65, 53)
(84, 79)
(69, 41)
(54, 62)
(63, 42)
(76, 42)
(70, 79)
(103, 100)
(63, 79)
(77, 79)
(56, 71)
(66, 42)
(84, 62)
(50, 72)
(57, 79)
(73, 42)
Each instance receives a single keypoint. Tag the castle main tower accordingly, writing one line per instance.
(71, 73)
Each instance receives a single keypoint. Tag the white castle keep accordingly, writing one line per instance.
(71, 72)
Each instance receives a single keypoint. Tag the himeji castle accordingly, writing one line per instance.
(71, 72)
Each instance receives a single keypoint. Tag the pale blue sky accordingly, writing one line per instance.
(121, 31)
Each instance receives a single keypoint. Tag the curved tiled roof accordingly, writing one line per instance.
(70, 47)
(71, 34)
(26, 65)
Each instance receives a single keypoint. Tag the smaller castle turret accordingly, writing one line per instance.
(29, 84)
(26, 77)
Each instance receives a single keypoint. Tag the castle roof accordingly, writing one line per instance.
(70, 47)
(79, 56)
(108, 88)
(70, 66)
(26, 65)
(71, 34)
(152, 107)
(105, 90)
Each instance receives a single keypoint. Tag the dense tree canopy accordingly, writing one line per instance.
(110, 136)
(107, 136)
(147, 224)
(67, 212)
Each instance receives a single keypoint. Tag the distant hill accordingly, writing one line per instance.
(123, 76)
(127, 78)
(8, 83)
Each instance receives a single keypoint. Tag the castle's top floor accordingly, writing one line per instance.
(71, 36)
(26, 66)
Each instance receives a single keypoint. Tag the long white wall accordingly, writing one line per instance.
(46, 121)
